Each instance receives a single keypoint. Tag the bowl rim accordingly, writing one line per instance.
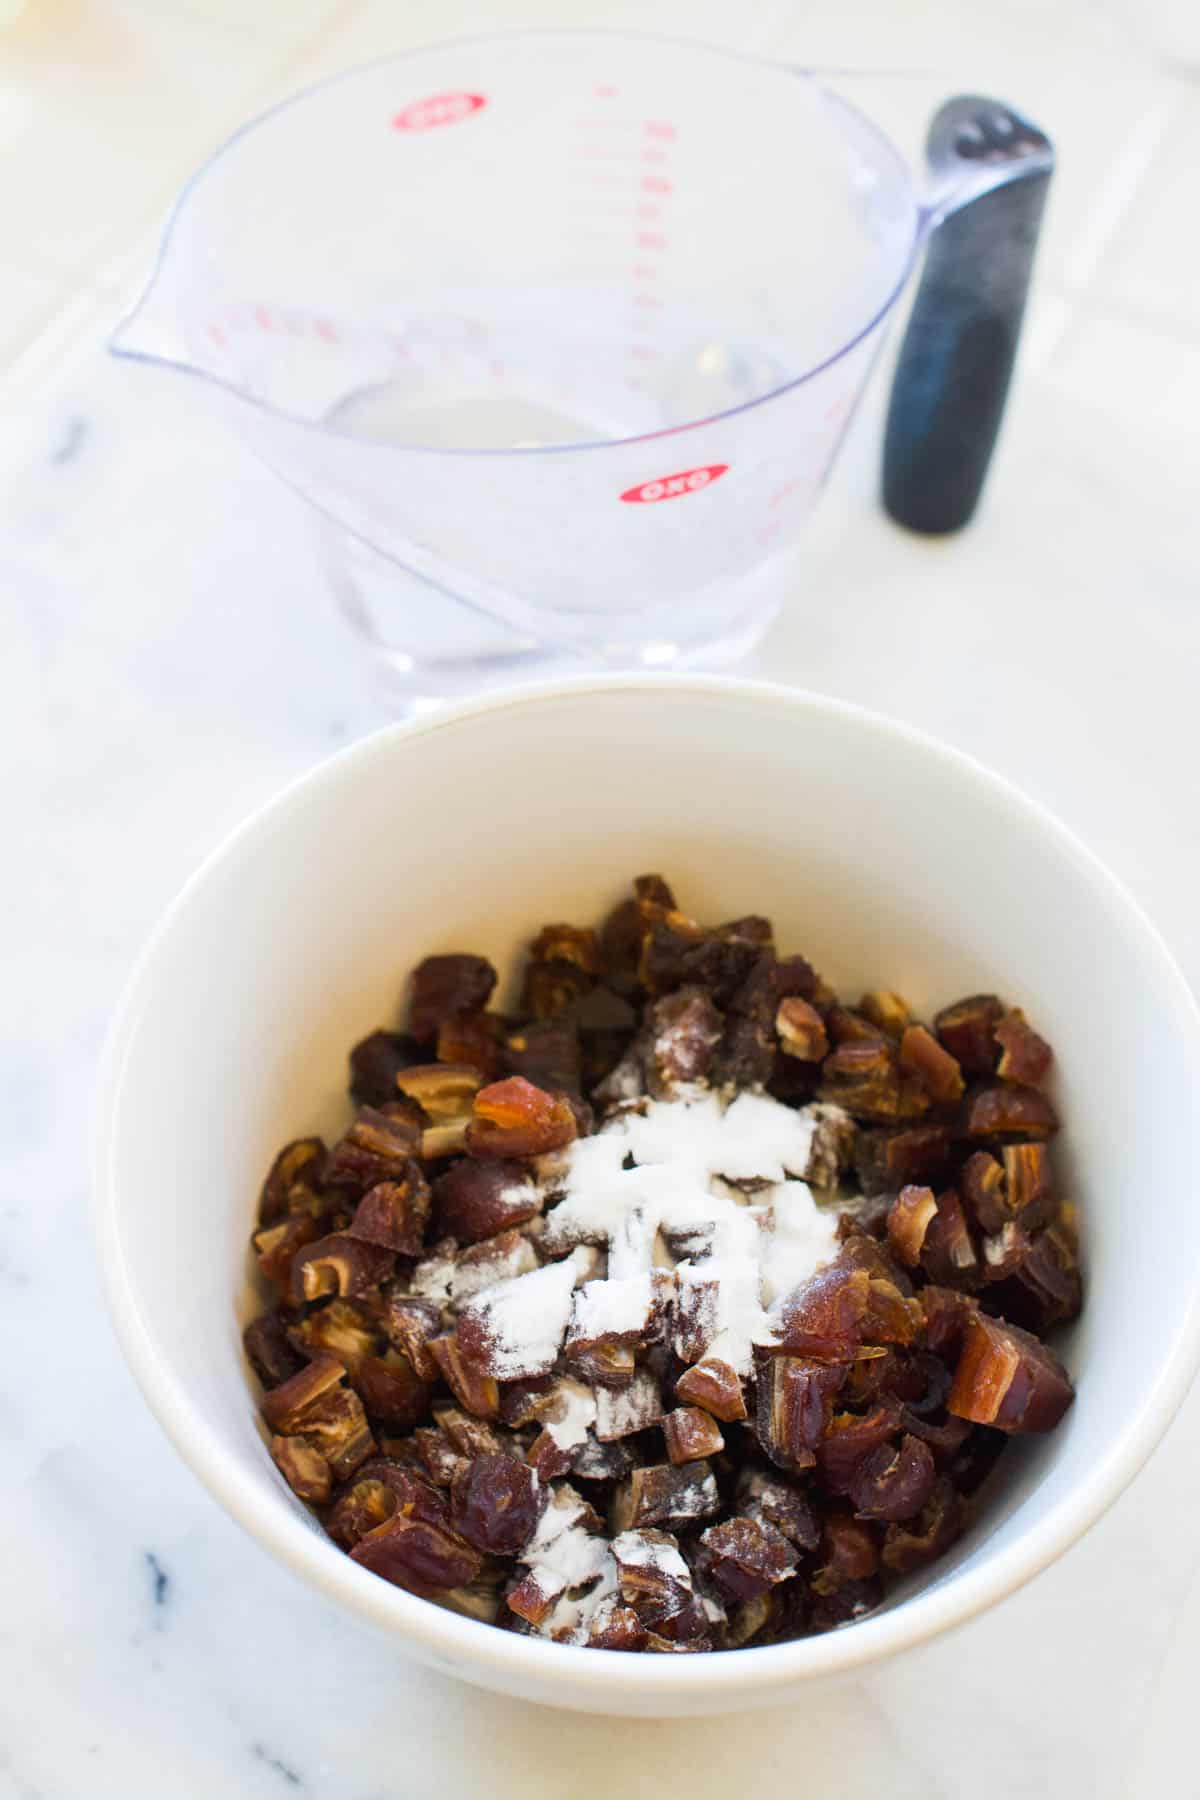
(479, 1652)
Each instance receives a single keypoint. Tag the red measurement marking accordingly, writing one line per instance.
(604, 90)
(654, 156)
(262, 319)
(836, 407)
(654, 184)
(782, 493)
(647, 211)
(650, 240)
(647, 301)
(643, 352)
(327, 331)
(644, 272)
(217, 335)
(671, 487)
(662, 129)
(437, 109)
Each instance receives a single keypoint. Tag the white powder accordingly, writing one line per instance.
(525, 1320)
(622, 1411)
(573, 1414)
(603, 1307)
(798, 1239)
(451, 1281)
(638, 1551)
(685, 1152)
(739, 1254)
(573, 1617)
(562, 1556)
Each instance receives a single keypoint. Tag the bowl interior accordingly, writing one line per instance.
(884, 859)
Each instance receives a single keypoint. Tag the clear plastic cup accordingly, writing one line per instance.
(556, 332)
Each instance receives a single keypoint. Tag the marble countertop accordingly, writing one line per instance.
(173, 657)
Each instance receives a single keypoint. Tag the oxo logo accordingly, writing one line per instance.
(438, 109)
(670, 487)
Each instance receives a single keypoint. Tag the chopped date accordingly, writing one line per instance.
(391, 1391)
(417, 1556)
(445, 985)
(849, 1553)
(845, 1026)
(550, 990)
(375, 1063)
(515, 1119)
(772, 1498)
(932, 1065)
(1024, 1056)
(494, 1504)
(291, 1179)
(411, 1324)
(1028, 1184)
(339, 1264)
(569, 944)
(303, 1467)
(546, 1053)
(967, 1030)
(469, 1435)
(914, 1544)
(620, 1412)
(894, 1481)
(909, 1218)
(824, 1318)
(801, 1031)
(865, 1077)
(748, 1556)
(346, 1329)
(444, 1350)
(1008, 1111)
(948, 1253)
(795, 1404)
(888, 1159)
(277, 1247)
(467, 1380)
(269, 1349)
(479, 1197)
(471, 1040)
(394, 1214)
(851, 1438)
(691, 1435)
(665, 1495)
(683, 1031)
(887, 1011)
(377, 1147)
(1008, 1378)
(547, 1457)
(716, 1387)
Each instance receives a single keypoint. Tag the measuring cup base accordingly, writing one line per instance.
(430, 645)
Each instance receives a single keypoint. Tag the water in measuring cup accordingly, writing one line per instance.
(391, 413)
(700, 376)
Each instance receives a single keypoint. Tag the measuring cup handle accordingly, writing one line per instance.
(990, 169)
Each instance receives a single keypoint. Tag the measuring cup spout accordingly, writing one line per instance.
(989, 170)
(153, 331)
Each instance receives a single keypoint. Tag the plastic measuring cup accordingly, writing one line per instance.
(557, 332)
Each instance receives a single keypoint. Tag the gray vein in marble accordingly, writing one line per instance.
(160, 1587)
(71, 442)
(284, 1770)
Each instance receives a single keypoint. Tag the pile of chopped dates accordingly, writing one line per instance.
(617, 1428)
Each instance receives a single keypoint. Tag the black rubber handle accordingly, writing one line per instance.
(957, 357)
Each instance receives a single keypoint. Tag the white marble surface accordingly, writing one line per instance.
(172, 657)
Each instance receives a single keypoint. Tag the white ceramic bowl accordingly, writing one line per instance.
(885, 858)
